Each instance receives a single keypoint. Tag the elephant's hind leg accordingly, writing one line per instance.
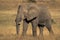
(49, 27)
(34, 27)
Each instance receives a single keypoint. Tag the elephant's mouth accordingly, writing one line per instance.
(30, 20)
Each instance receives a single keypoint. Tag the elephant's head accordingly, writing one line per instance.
(18, 19)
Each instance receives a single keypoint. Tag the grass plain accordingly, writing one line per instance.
(7, 22)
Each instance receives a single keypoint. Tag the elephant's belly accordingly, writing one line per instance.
(42, 21)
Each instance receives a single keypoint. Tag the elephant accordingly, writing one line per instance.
(37, 15)
(25, 13)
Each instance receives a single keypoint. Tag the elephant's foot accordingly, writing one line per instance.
(23, 34)
(34, 34)
(41, 37)
(23, 37)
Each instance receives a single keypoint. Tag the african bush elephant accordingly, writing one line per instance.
(37, 15)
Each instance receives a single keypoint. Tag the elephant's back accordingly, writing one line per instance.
(44, 12)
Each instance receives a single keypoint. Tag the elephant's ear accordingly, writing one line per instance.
(33, 11)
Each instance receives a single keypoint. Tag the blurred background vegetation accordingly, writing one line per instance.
(12, 4)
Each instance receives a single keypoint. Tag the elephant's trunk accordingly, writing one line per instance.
(17, 28)
(18, 20)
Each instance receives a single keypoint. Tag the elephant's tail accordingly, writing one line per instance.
(53, 21)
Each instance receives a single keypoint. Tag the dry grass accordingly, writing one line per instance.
(8, 29)
(7, 22)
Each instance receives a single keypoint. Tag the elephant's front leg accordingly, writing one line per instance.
(25, 27)
(34, 27)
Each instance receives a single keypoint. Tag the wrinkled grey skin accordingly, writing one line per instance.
(43, 18)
